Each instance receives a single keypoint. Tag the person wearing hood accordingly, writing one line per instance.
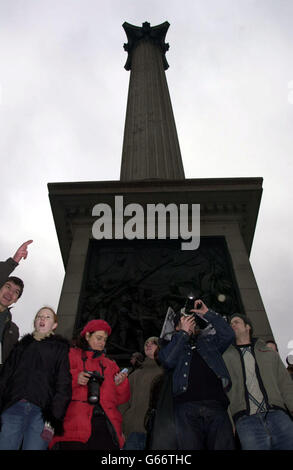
(261, 396)
(93, 421)
(35, 387)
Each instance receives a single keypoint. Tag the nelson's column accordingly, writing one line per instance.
(131, 283)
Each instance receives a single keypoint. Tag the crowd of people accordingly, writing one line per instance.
(212, 385)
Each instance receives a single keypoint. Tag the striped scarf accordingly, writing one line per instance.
(256, 399)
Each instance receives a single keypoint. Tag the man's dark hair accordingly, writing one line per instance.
(18, 282)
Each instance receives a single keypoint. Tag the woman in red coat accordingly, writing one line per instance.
(95, 425)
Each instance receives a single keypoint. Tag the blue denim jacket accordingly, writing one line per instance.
(210, 344)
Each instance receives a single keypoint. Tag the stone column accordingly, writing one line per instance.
(244, 276)
(68, 303)
(251, 298)
(150, 147)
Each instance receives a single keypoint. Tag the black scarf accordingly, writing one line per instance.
(95, 352)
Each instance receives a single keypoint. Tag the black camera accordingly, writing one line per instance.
(94, 384)
(189, 305)
(201, 322)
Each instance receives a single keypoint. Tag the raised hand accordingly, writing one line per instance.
(22, 251)
(199, 307)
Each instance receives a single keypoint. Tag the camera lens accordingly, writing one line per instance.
(189, 305)
(94, 383)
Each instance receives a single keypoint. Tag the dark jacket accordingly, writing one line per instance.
(11, 331)
(159, 419)
(210, 344)
(6, 268)
(38, 371)
(140, 385)
(10, 337)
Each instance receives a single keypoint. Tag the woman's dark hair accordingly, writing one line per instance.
(80, 341)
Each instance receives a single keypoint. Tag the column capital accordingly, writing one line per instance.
(146, 32)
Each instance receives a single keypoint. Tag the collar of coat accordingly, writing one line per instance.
(40, 336)
(28, 338)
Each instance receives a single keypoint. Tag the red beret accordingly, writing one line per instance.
(96, 325)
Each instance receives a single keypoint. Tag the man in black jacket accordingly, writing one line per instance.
(10, 291)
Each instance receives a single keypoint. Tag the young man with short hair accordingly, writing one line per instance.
(261, 397)
(10, 291)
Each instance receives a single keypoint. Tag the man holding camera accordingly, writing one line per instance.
(200, 379)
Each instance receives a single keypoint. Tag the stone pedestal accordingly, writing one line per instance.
(229, 209)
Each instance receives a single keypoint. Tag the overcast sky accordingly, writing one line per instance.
(63, 95)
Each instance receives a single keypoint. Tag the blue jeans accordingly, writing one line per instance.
(203, 425)
(22, 423)
(135, 441)
(266, 431)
